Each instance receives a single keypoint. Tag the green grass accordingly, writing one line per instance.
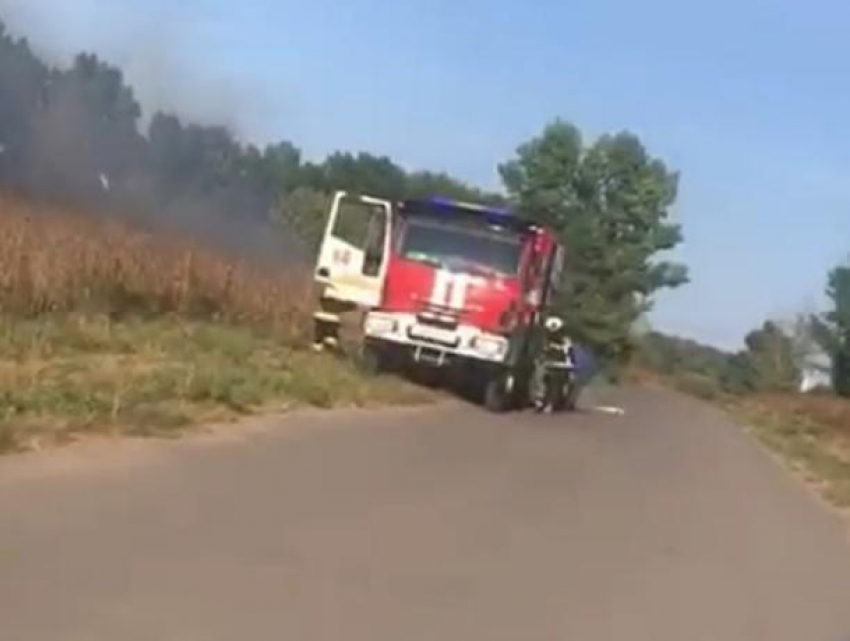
(815, 450)
(65, 377)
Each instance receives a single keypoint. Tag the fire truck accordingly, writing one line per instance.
(444, 287)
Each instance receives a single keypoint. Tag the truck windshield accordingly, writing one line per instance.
(458, 246)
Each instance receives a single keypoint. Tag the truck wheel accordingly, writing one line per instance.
(520, 398)
(372, 360)
(496, 396)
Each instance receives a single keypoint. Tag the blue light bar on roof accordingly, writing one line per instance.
(484, 209)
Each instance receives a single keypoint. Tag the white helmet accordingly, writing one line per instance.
(554, 324)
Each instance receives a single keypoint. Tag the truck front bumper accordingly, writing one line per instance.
(436, 345)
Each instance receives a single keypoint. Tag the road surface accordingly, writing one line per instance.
(444, 524)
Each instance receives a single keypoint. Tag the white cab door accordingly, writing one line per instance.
(355, 250)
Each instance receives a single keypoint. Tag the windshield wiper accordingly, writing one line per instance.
(427, 260)
(465, 264)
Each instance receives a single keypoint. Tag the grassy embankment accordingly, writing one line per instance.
(810, 432)
(104, 330)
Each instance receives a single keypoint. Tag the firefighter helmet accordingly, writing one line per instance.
(554, 324)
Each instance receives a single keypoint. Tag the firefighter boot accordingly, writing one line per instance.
(325, 331)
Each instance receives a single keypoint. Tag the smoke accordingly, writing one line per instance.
(168, 52)
(76, 137)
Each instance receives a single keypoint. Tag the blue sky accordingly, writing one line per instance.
(750, 100)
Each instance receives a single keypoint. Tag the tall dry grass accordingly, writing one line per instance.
(819, 411)
(108, 330)
(52, 261)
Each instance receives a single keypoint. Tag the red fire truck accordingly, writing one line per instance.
(445, 286)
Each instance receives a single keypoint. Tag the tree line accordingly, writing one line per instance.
(77, 136)
(775, 357)
(831, 331)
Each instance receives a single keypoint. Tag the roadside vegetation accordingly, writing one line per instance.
(790, 386)
(105, 330)
(810, 432)
(154, 273)
(108, 329)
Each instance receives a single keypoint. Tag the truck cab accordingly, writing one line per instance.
(445, 286)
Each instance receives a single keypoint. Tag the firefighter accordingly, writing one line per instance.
(327, 322)
(556, 350)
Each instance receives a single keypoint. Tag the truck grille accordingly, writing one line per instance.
(441, 318)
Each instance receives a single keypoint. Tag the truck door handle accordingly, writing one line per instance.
(324, 272)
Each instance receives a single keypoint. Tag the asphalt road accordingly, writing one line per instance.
(664, 525)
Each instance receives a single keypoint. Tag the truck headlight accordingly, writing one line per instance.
(490, 346)
(379, 325)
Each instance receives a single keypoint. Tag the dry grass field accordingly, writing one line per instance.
(108, 330)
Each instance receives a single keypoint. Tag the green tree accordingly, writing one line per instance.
(832, 330)
(362, 173)
(84, 138)
(281, 167)
(772, 357)
(739, 376)
(609, 203)
(425, 184)
(304, 211)
(22, 81)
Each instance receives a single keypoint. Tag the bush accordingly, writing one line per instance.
(700, 386)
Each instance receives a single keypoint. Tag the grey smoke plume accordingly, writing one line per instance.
(161, 46)
(75, 134)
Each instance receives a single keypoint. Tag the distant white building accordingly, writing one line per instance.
(816, 374)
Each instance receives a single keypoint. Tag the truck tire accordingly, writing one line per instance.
(571, 400)
(497, 399)
(372, 360)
